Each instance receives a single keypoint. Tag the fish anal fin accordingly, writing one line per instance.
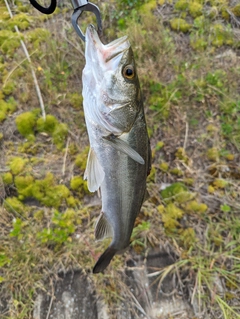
(102, 229)
(94, 172)
(104, 260)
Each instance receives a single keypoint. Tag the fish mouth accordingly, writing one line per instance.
(106, 52)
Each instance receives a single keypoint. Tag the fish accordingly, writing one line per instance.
(119, 158)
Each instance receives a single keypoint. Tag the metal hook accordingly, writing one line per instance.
(80, 6)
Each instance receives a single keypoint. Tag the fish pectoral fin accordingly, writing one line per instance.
(102, 228)
(94, 172)
(123, 146)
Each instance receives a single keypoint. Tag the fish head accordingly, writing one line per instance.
(111, 69)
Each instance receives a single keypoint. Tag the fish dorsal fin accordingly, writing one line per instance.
(94, 172)
(102, 229)
(124, 147)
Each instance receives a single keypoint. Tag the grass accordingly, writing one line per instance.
(190, 84)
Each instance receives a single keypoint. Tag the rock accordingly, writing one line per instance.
(144, 295)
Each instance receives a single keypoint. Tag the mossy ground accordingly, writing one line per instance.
(190, 82)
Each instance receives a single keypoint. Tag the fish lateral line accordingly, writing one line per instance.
(123, 147)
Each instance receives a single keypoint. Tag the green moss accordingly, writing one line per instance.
(178, 24)
(211, 128)
(40, 187)
(48, 125)
(225, 14)
(176, 171)
(81, 159)
(213, 12)
(72, 149)
(213, 154)
(12, 204)
(161, 104)
(62, 226)
(161, 209)
(200, 22)
(22, 20)
(24, 97)
(22, 8)
(151, 177)
(48, 193)
(195, 9)
(59, 135)
(3, 116)
(8, 106)
(8, 88)
(230, 157)
(159, 145)
(181, 5)
(188, 237)
(11, 105)
(220, 36)
(7, 178)
(188, 181)
(236, 10)
(24, 185)
(39, 215)
(216, 237)
(78, 184)
(218, 2)
(171, 216)
(17, 165)
(164, 167)
(177, 192)
(198, 43)
(58, 131)
(148, 7)
(220, 183)
(76, 100)
(211, 189)
(194, 206)
(61, 191)
(72, 202)
(29, 147)
(9, 41)
(26, 124)
(37, 35)
(181, 154)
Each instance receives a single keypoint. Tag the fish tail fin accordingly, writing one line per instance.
(104, 260)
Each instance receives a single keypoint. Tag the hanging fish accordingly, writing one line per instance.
(119, 159)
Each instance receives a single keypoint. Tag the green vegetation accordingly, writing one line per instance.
(188, 65)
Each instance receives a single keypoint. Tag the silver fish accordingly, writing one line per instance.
(119, 157)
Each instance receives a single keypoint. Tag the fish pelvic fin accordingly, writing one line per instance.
(102, 228)
(94, 172)
(123, 146)
(104, 260)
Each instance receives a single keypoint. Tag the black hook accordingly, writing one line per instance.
(42, 9)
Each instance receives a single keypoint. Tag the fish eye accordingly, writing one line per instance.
(128, 72)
